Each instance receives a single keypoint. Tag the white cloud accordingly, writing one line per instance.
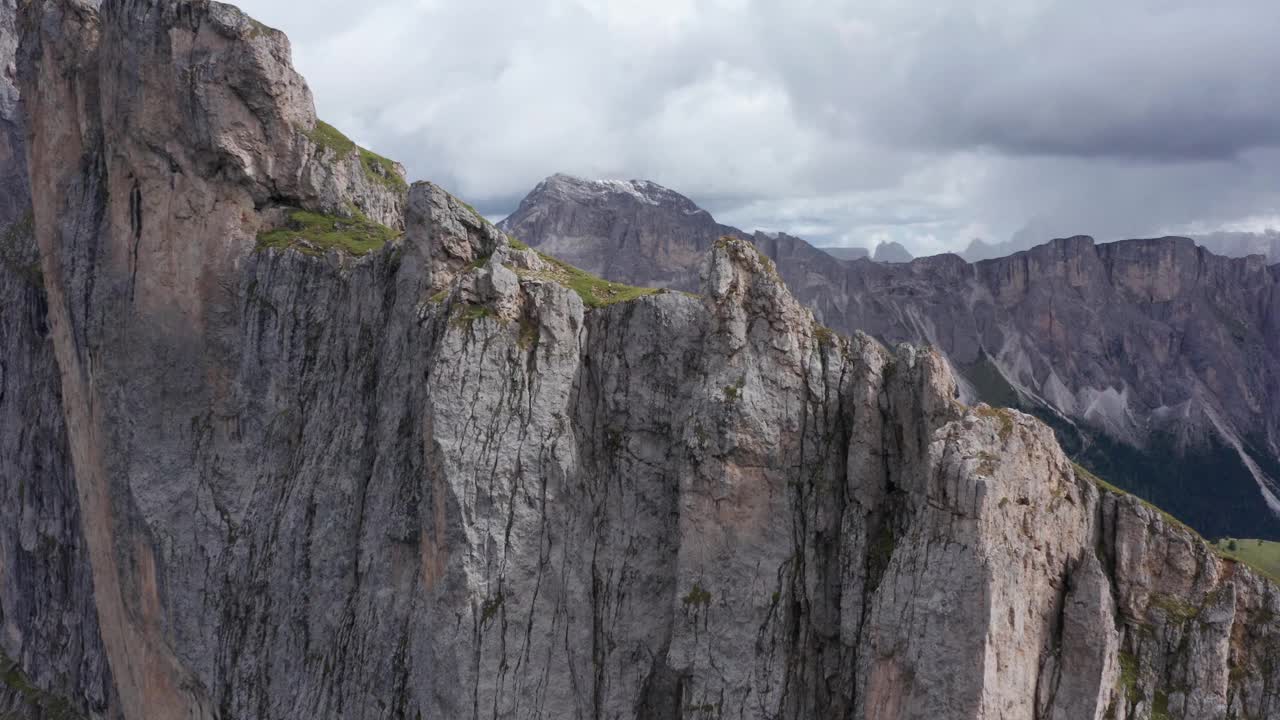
(847, 121)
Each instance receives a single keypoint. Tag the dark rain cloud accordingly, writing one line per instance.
(1157, 81)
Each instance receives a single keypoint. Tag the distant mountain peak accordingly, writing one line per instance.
(646, 192)
(892, 252)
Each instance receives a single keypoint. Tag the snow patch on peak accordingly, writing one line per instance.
(639, 189)
(646, 192)
(642, 190)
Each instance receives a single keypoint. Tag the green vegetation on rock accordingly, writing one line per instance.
(697, 597)
(1174, 607)
(469, 313)
(595, 292)
(315, 234)
(1260, 555)
(1005, 417)
(733, 392)
(729, 242)
(376, 167)
(824, 335)
(1160, 706)
(331, 138)
(1127, 680)
(257, 29)
(44, 704)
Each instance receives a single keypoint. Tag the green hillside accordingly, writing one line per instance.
(1259, 554)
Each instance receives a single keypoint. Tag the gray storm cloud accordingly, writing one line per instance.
(850, 122)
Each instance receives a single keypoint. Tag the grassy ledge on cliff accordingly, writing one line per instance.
(315, 234)
(595, 292)
(376, 167)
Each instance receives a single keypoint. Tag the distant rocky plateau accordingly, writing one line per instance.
(283, 435)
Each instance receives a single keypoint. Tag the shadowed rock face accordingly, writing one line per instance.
(51, 657)
(844, 253)
(431, 482)
(1155, 360)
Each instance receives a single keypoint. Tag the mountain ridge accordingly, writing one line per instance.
(1169, 349)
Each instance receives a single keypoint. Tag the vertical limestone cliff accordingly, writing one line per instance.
(450, 478)
(51, 659)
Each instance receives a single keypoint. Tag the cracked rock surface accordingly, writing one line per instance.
(1155, 360)
(428, 483)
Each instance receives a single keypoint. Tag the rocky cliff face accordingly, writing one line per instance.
(847, 253)
(635, 230)
(1155, 360)
(434, 481)
(51, 660)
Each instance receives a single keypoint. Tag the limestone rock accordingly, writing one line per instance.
(432, 482)
(1155, 360)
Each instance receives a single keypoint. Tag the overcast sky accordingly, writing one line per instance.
(844, 121)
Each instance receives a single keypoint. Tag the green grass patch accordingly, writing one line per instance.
(382, 169)
(1160, 706)
(1261, 555)
(331, 138)
(1127, 680)
(824, 335)
(471, 313)
(490, 608)
(315, 234)
(595, 292)
(47, 705)
(376, 167)
(732, 393)
(516, 244)
(257, 29)
(529, 333)
(1175, 608)
(1005, 418)
(697, 597)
